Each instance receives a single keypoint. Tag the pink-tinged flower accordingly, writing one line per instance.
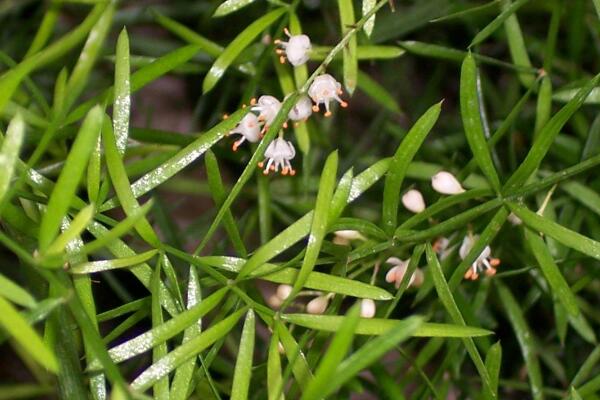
(483, 263)
(248, 128)
(323, 90)
(278, 154)
(296, 49)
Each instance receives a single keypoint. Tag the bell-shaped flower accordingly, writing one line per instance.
(248, 128)
(278, 154)
(268, 107)
(397, 272)
(323, 90)
(483, 263)
(301, 110)
(296, 49)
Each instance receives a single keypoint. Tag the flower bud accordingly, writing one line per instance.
(445, 183)
(413, 201)
(514, 220)
(318, 305)
(274, 301)
(367, 308)
(284, 291)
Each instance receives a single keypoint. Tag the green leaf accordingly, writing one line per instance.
(243, 365)
(350, 67)
(371, 352)
(161, 387)
(9, 154)
(122, 96)
(22, 333)
(88, 57)
(368, 5)
(66, 186)
(120, 180)
(78, 225)
(445, 296)
(294, 354)
(319, 223)
(236, 46)
(140, 78)
(10, 80)
(315, 280)
(525, 338)
(470, 111)
(516, 43)
(583, 194)
(274, 378)
(161, 333)
(183, 376)
(497, 22)
(106, 265)
(550, 228)
(451, 224)
(559, 286)
(493, 362)
(229, 6)
(380, 326)
(15, 293)
(218, 191)
(547, 136)
(320, 53)
(122, 228)
(186, 351)
(400, 162)
(336, 352)
(181, 159)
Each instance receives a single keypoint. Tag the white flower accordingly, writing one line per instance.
(440, 247)
(323, 90)
(284, 291)
(396, 273)
(413, 201)
(483, 263)
(345, 236)
(318, 305)
(268, 107)
(278, 154)
(249, 128)
(296, 49)
(445, 183)
(301, 110)
(367, 308)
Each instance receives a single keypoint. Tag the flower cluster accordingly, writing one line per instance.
(323, 90)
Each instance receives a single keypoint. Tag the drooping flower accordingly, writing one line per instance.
(446, 183)
(318, 305)
(413, 201)
(323, 90)
(301, 110)
(440, 247)
(367, 308)
(296, 49)
(248, 128)
(278, 154)
(268, 107)
(483, 263)
(397, 272)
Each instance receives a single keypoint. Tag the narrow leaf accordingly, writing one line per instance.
(243, 365)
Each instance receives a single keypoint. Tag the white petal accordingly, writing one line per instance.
(367, 308)
(413, 201)
(445, 183)
(284, 291)
(318, 305)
